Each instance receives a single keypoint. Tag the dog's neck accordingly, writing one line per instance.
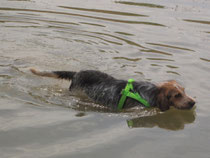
(148, 91)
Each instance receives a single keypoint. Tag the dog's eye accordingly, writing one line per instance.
(178, 95)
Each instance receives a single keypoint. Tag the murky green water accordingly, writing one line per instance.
(145, 40)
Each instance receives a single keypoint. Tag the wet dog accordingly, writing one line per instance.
(106, 90)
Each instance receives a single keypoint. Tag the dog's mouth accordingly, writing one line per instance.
(189, 105)
(185, 107)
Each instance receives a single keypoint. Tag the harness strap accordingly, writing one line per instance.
(134, 95)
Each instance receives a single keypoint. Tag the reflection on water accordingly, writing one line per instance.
(170, 120)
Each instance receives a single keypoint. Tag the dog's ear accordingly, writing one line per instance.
(163, 100)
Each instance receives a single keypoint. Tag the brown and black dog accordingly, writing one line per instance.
(106, 90)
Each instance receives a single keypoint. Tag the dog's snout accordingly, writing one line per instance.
(191, 103)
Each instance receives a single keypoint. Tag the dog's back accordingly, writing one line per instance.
(101, 87)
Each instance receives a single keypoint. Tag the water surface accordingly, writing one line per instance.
(145, 40)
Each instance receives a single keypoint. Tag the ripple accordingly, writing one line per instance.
(122, 39)
(20, 0)
(92, 24)
(5, 76)
(85, 16)
(15, 20)
(24, 26)
(173, 67)
(207, 60)
(140, 4)
(104, 11)
(173, 72)
(128, 59)
(160, 59)
(168, 46)
(114, 37)
(198, 21)
(25, 20)
(156, 65)
(155, 51)
(125, 33)
(101, 38)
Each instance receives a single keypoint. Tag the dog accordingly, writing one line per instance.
(106, 90)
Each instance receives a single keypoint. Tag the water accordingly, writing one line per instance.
(145, 40)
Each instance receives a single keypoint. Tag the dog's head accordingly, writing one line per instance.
(172, 94)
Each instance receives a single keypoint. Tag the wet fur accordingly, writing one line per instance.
(106, 90)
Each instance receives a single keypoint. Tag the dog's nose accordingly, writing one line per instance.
(191, 103)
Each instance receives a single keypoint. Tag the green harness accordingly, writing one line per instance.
(127, 93)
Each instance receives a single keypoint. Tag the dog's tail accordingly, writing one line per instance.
(68, 75)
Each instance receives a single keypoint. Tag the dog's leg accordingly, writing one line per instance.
(68, 75)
